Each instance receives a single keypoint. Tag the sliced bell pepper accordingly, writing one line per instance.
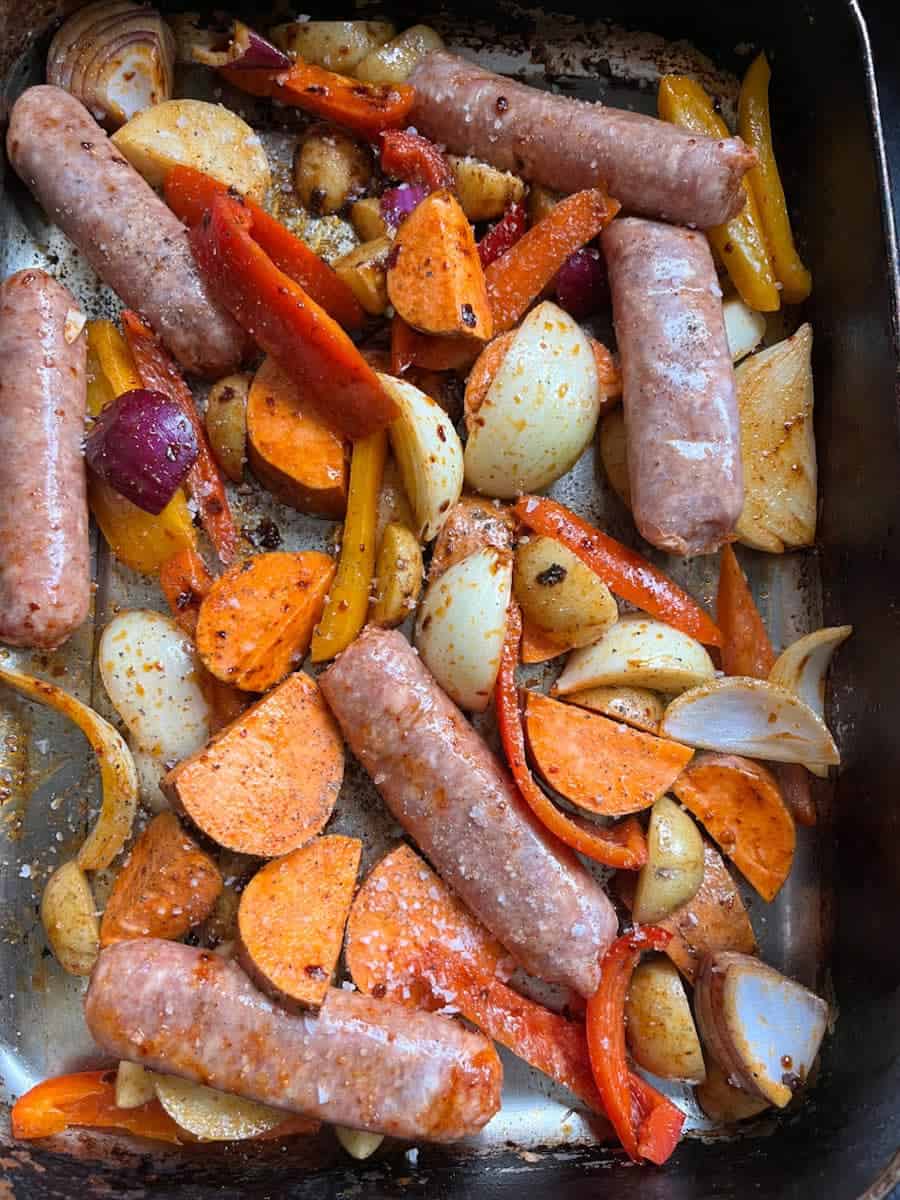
(755, 127)
(622, 845)
(116, 361)
(366, 108)
(746, 649)
(622, 569)
(740, 242)
(348, 600)
(500, 237)
(288, 324)
(185, 582)
(87, 1098)
(190, 194)
(414, 159)
(647, 1123)
(158, 372)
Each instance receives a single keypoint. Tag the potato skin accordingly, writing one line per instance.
(331, 169)
(674, 871)
(560, 595)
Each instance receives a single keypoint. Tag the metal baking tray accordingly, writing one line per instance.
(840, 1138)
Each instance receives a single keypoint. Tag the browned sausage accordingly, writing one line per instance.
(366, 1063)
(684, 452)
(450, 793)
(132, 240)
(651, 167)
(45, 569)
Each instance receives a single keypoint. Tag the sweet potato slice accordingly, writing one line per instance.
(166, 886)
(291, 920)
(268, 782)
(257, 620)
(290, 451)
(600, 765)
(435, 279)
(741, 806)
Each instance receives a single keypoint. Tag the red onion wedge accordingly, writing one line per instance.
(398, 202)
(581, 285)
(142, 445)
(240, 47)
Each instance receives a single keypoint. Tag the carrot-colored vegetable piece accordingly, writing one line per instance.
(608, 375)
(537, 646)
(472, 524)
(746, 649)
(366, 108)
(623, 570)
(622, 845)
(414, 159)
(500, 237)
(267, 783)
(291, 920)
(87, 1098)
(160, 374)
(257, 620)
(190, 194)
(647, 1123)
(348, 601)
(288, 324)
(518, 277)
(435, 280)
(488, 363)
(409, 348)
(292, 452)
(165, 887)
(714, 919)
(185, 582)
(600, 764)
(740, 804)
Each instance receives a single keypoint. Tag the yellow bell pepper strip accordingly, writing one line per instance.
(755, 128)
(141, 541)
(348, 602)
(87, 1098)
(739, 242)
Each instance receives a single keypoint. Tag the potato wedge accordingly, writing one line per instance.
(134, 1085)
(484, 192)
(614, 453)
(336, 45)
(69, 917)
(194, 133)
(367, 220)
(674, 870)
(635, 706)
(394, 61)
(226, 423)
(778, 449)
(724, 1103)
(213, 1116)
(398, 577)
(357, 1142)
(331, 169)
(541, 201)
(364, 270)
(744, 328)
(661, 1032)
(566, 600)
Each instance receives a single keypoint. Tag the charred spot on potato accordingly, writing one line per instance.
(552, 575)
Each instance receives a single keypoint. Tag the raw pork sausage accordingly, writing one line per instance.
(450, 793)
(365, 1063)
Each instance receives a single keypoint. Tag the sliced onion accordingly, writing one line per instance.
(117, 58)
(69, 917)
(143, 445)
(803, 666)
(762, 1028)
(215, 1116)
(398, 202)
(747, 716)
(240, 48)
(744, 328)
(117, 773)
(582, 285)
(134, 1085)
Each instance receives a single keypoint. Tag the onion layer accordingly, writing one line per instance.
(239, 47)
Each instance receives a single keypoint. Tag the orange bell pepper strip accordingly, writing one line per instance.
(622, 845)
(87, 1098)
(288, 324)
(190, 193)
(409, 348)
(622, 569)
(365, 108)
(414, 159)
(185, 582)
(647, 1123)
(159, 373)
(746, 649)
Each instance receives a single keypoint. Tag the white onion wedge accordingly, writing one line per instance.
(763, 1029)
(638, 652)
(69, 917)
(751, 717)
(149, 669)
(117, 774)
(429, 454)
(135, 1085)
(357, 1142)
(462, 624)
(803, 666)
(214, 1116)
(744, 328)
(662, 1036)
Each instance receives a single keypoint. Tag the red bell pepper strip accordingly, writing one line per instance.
(647, 1123)
(746, 649)
(366, 108)
(623, 570)
(87, 1098)
(414, 159)
(190, 193)
(622, 845)
(500, 237)
(288, 324)
(159, 373)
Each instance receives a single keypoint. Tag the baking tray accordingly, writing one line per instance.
(828, 127)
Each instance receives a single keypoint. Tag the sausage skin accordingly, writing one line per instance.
(128, 235)
(452, 796)
(681, 413)
(651, 167)
(45, 568)
(365, 1063)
